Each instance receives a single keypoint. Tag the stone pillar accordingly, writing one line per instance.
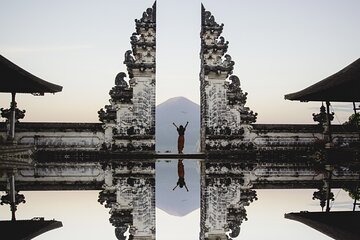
(132, 110)
(224, 116)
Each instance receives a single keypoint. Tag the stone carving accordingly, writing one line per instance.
(142, 56)
(129, 120)
(222, 66)
(16, 154)
(321, 117)
(6, 199)
(120, 231)
(107, 197)
(224, 198)
(108, 115)
(129, 59)
(224, 116)
(235, 95)
(221, 41)
(120, 81)
(235, 84)
(134, 39)
(228, 63)
(248, 116)
(129, 191)
(209, 20)
(6, 113)
(121, 92)
(321, 196)
(149, 16)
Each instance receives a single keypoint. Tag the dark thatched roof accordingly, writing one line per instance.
(341, 225)
(343, 86)
(27, 229)
(15, 79)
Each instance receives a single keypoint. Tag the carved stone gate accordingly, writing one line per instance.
(129, 120)
(224, 117)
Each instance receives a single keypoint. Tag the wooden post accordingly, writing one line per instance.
(356, 120)
(12, 197)
(328, 190)
(11, 135)
(356, 194)
(354, 206)
(328, 123)
(328, 187)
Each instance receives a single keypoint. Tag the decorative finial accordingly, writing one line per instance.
(120, 81)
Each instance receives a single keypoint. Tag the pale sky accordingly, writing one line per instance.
(278, 46)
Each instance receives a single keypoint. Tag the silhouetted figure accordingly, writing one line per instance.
(181, 173)
(181, 138)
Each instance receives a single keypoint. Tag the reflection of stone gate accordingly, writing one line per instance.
(129, 120)
(129, 192)
(225, 192)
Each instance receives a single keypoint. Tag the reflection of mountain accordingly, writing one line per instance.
(178, 202)
(178, 110)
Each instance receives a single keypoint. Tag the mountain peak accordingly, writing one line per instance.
(178, 99)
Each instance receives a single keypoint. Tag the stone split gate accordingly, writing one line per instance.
(128, 122)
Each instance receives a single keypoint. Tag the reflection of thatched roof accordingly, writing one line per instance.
(343, 86)
(15, 79)
(337, 225)
(27, 229)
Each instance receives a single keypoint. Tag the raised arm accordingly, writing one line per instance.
(186, 187)
(186, 124)
(175, 125)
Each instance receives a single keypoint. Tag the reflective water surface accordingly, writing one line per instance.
(196, 199)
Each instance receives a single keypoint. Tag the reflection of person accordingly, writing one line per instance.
(181, 138)
(181, 173)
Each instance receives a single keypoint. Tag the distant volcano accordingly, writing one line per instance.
(178, 110)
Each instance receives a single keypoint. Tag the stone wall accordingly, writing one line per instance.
(272, 137)
(57, 136)
(259, 137)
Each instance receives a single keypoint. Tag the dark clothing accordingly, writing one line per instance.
(181, 131)
(181, 172)
(181, 141)
(181, 138)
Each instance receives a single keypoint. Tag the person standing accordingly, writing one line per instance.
(181, 138)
